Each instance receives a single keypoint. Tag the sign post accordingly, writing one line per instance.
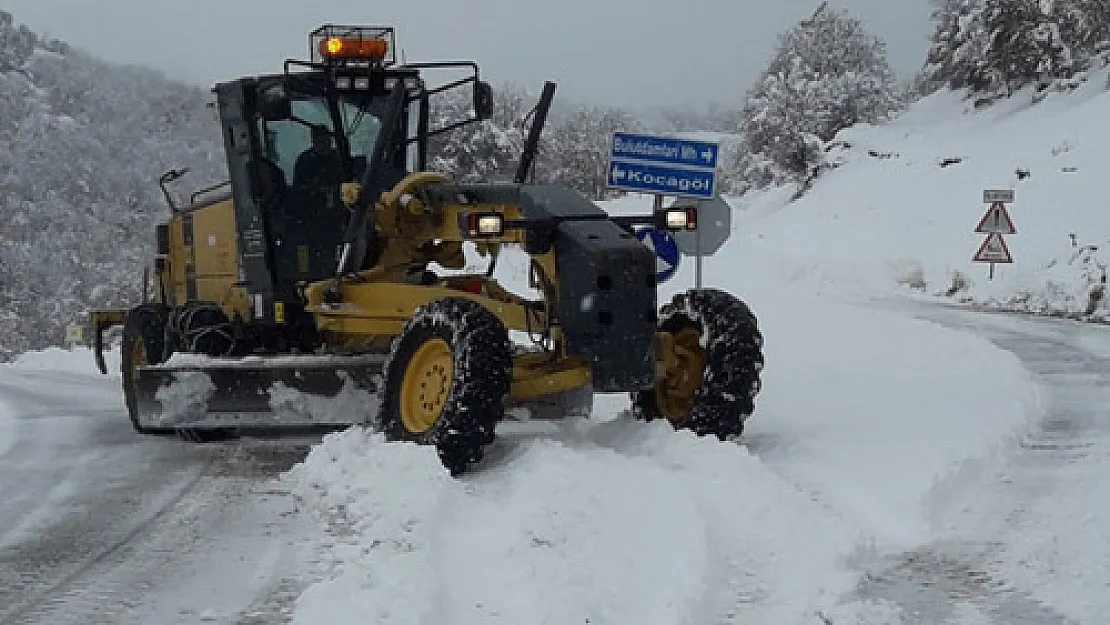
(714, 228)
(664, 166)
(995, 223)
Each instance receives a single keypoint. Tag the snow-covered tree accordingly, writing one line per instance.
(1084, 26)
(826, 74)
(959, 45)
(483, 151)
(575, 148)
(995, 47)
(1025, 45)
(82, 144)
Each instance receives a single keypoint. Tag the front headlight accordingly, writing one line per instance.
(485, 225)
(681, 219)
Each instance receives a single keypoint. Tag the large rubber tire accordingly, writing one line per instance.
(730, 348)
(143, 343)
(446, 381)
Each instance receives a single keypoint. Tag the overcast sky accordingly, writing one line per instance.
(615, 52)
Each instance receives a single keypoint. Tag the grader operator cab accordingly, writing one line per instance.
(332, 265)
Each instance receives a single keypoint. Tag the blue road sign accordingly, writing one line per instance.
(664, 150)
(661, 179)
(666, 252)
(662, 165)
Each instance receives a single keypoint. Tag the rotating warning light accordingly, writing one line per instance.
(353, 49)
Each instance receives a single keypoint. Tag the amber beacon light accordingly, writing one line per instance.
(348, 48)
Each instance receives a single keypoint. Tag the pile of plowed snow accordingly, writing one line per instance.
(862, 416)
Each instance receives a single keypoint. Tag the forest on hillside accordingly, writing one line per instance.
(83, 142)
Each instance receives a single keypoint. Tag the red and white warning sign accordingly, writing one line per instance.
(996, 219)
(993, 250)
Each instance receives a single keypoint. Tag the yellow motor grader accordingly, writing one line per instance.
(332, 266)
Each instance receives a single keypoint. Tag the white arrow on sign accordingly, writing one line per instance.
(618, 173)
(708, 155)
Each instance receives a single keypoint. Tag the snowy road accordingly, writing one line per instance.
(100, 525)
(1024, 539)
(914, 504)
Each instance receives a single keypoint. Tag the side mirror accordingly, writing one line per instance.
(483, 100)
(274, 105)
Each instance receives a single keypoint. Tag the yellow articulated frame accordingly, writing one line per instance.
(539, 374)
(375, 309)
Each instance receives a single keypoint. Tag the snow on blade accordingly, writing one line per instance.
(186, 397)
(351, 400)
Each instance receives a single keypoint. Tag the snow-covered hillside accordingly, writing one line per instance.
(903, 205)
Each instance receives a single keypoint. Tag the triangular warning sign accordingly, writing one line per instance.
(993, 250)
(997, 219)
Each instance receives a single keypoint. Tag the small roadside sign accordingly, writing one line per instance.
(666, 252)
(1006, 196)
(995, 223)
(993, 250)
(664, 150)
(714, 226)
(661, 179)
(996, 220)
(75, 334)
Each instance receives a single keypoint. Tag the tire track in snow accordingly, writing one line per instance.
(41, 589)
(133, 523)
(984, 571)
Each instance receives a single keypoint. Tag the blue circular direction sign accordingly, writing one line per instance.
(666, 252)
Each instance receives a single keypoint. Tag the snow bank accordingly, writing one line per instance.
(872, 413)
(7, 429)
(608, 523)
(76, 360)
(863, 418)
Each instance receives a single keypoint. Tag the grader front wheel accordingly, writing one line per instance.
(447, 379)
(711, 357)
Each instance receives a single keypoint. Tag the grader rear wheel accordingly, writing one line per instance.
(446, 381)
(712, 352)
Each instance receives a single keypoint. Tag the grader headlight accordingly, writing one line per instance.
(482, 225)
(681, 219)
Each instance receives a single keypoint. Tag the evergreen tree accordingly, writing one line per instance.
(576, 148)
(826, 74)
(995, 47)
(1025, 45)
